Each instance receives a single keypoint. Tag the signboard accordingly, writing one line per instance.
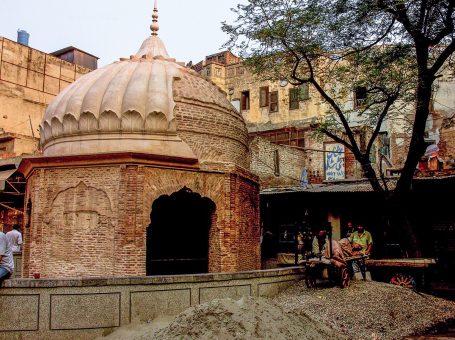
(334, 162)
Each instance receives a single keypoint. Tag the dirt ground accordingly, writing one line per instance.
(366, 310)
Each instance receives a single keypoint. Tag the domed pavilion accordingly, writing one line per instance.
(145, 171)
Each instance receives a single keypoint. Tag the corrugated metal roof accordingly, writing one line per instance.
(4, 175)
(355, 186)
(8, 167)
(346, 186)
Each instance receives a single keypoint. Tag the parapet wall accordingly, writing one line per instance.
(88, 308)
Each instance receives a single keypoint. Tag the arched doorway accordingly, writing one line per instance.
(178, 235)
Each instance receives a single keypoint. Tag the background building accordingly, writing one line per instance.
(283, 113)
(29, 81)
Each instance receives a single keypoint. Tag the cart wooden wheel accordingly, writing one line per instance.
(403, 280)
(345, 278)
(310, 279)
(310, 282)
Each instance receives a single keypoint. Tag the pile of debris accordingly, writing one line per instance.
(368, 309)
(248, 318)
(365, 310)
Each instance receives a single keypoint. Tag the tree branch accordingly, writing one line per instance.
(384, 112)
(448, 51)
(448, 25)
(354, 148)
(336, 138)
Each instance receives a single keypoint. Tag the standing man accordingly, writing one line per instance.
(350, 229)
(15, 238)
(6, 258)
(362, 239)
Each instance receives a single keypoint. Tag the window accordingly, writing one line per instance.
(360, 95)
(294, 99)
(304, 92)
(207, 72)
(218, 71)
(240, 71)
(274, 101)
(264, 96)
(245, 101)
(384, 141)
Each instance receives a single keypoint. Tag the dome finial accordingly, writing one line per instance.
(154, 26)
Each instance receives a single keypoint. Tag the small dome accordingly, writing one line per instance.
(131, 106)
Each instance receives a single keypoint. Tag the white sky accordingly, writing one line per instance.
(110, 29)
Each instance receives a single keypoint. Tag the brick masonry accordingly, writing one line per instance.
(92, 220)
(29, 81)
(291, 162)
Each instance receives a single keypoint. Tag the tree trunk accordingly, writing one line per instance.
(397, 210)
(370, 174)
(417, 144)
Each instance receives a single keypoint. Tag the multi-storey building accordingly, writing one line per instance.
(29, 81)
(282, 113)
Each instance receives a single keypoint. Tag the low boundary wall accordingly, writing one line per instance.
(87, 308)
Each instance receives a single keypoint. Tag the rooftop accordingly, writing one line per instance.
(71, 48)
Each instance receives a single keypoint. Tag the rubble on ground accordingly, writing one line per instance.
(365, 310)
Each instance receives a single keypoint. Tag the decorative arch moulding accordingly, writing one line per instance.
(129, 122)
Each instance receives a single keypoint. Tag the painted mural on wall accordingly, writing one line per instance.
(334, 162)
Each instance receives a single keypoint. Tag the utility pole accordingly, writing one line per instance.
(31, 126)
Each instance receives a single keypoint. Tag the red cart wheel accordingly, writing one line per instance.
(403, 280)
(345, 277)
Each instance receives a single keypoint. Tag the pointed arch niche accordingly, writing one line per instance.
(178, 234)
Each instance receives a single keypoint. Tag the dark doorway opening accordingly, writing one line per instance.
(178, 235)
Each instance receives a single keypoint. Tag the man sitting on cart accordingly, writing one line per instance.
(323, 251)
(319, 243)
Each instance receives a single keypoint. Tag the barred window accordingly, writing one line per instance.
(274, 101)
(264, 96)
(294, 99)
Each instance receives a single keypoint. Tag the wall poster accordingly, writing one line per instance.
(334, 167)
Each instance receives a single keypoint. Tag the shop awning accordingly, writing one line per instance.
(4, 175)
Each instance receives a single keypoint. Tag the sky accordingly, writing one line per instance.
(110, 29)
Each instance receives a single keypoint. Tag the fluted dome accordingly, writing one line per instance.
(130, 106)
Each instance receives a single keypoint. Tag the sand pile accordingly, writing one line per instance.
(248, 318)
(366, 308)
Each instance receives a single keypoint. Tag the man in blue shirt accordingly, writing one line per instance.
(6, 258)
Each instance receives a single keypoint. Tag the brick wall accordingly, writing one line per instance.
(291, 163)
(92, 220)
(208, 123)
(448, 138)
(29, 80)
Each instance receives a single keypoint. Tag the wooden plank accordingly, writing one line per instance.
(407, 263)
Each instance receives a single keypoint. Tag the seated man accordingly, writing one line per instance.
(6, 258)
(335, 255)
(347, 249)
(319, 242)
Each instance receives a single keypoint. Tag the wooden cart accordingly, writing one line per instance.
(406, 272)
(341, 276)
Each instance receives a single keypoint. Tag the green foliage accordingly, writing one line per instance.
(387, 51)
